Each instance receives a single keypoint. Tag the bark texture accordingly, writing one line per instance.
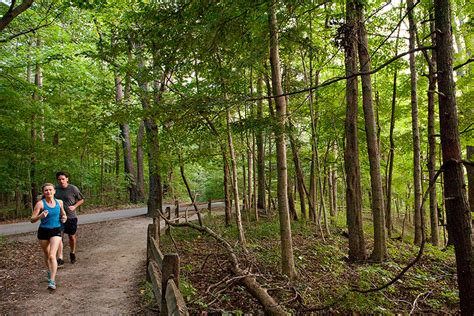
(380, 249)
(287, 260)
(457, 208)
(415, 128)
(357, 250)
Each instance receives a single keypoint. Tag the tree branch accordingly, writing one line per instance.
(13, 13)
(470, 60)
(336, 79)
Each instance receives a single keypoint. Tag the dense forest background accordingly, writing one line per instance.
(152, 101)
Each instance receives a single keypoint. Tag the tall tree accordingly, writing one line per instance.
(432, 139)
(260, 149)
(155, 190)
(129, 169)
(414, 126)
(235, 183)
(357, 250)
(380, 249)
(287, 259)
(457, 208)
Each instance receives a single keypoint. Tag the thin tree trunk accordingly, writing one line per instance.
(419, 225)
(270, 167)
(38, 80)
(140, 172)
(391, 154)
(188, 189)
(227, 193)
(260, 150)
(291, 200)
(380, 250)
(313, 116)
(457, 208)
(432, 142)
(235, 184)
(299, 176)
(287, 259)
(129, 170)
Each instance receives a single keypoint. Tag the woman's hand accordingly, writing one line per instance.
(63, 219)
(44, 214)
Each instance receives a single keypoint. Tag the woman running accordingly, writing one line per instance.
(51, 213)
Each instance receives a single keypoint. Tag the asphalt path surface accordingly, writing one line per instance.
(26, 227)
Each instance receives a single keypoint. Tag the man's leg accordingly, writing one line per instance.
(72, 246)
(60, 251)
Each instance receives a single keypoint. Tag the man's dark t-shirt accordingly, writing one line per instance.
(70, 195)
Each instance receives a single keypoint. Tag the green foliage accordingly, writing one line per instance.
(187, 290)
(147, 295)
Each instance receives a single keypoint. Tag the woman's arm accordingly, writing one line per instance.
(62, 212)
(35, 216)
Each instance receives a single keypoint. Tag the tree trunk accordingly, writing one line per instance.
(380, 250)
(140, 173)
(470, 177)
(291, 200)
(432, 142)
(287, 262)
(129, 170)
(332, 191)
(457, 208)
(357, 251)
(188, 189)
(227, 193)
(270, 203)
(260, 150)
(314, 141)
(299, 176)
(155, 191)
(419, 225)
(235, 184)
(391, 154)
(34, 131)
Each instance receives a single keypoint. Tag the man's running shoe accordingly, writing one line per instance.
(51, 285)
(60, 262)
(72, 256)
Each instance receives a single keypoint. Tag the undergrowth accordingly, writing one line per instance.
(326, 278)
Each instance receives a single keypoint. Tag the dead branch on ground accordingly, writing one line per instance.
(248, 280)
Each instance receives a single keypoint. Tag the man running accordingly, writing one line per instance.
(72, 198)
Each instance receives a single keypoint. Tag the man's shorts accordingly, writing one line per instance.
(47, 233)
(70, 227)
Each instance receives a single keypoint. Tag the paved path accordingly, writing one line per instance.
(26, 227)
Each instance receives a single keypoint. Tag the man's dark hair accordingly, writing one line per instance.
(62, 173)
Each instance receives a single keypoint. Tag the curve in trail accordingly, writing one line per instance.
(105, 279)
(26, 227)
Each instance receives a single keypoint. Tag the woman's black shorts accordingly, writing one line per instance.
(47, 233)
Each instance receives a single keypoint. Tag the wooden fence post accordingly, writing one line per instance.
(157, 232)
(148, 248)
(169, 270)
(209, 206)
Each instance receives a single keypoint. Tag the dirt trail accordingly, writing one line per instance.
(105, 279)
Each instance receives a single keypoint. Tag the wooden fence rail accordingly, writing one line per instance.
(163, 273)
